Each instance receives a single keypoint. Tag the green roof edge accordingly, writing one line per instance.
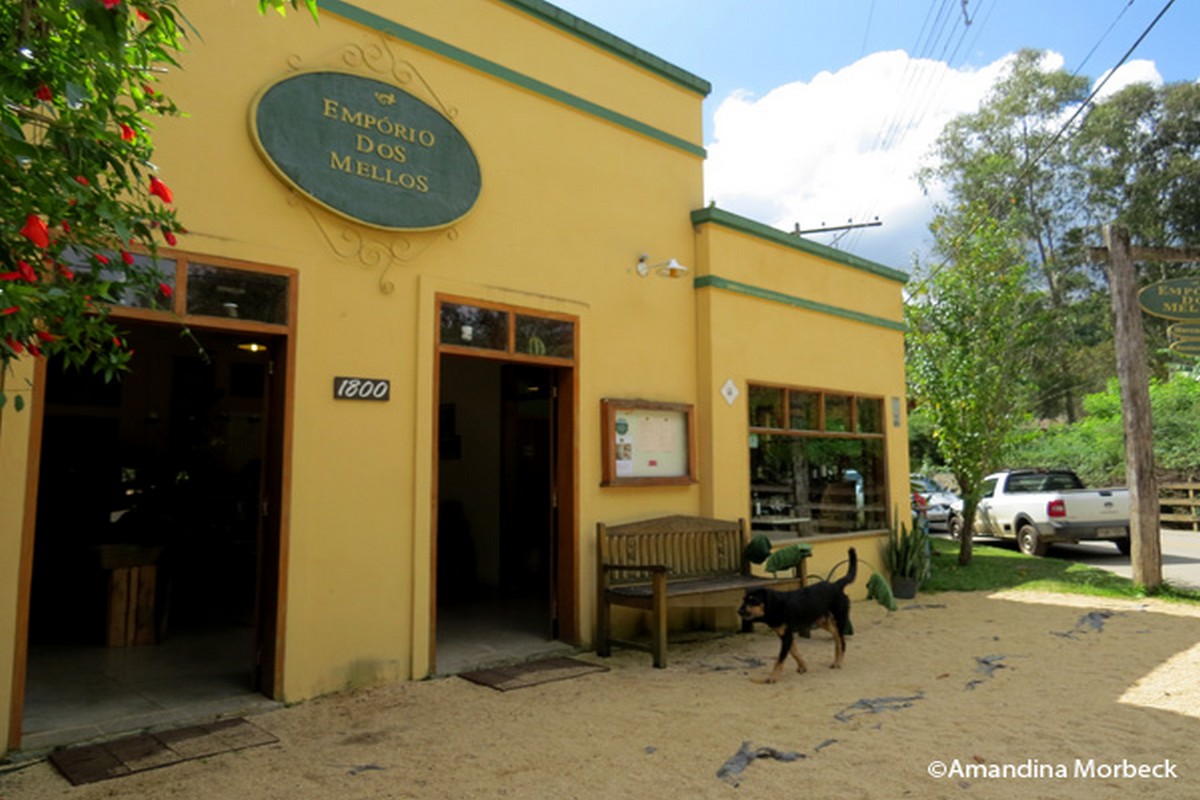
(601, 38)
(717, 216)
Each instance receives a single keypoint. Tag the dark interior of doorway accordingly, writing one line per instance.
(496, 531)
(166, 468)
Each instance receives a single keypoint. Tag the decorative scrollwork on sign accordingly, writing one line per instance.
(382, 60)
(373, 250)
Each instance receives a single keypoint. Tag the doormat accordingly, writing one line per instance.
(98, 762)
(518, 676)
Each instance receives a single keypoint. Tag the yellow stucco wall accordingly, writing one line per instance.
(568, 202)
(776, 313)
(587, 160)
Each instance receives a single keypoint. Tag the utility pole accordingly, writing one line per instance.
(1134, 378)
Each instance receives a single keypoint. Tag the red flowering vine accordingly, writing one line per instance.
(160, 190)
(35, 230)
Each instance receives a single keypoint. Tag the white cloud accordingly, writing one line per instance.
(1140, 71)
(845, 145)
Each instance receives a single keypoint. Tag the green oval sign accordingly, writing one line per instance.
(1187, 347)
(1184, 331)
(1175, 299)
(366, 150)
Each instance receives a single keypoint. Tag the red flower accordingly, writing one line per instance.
(4, 312)
(111, 4)
(43, 93)
(67, 272)
(26, 272)
(127, 257)
(66, 226)
(36, 231)
(148, 89)
(142, 15)
(170, 237)
(34, 350)
(165, 289)
(127, 133)
(103, 259)
(160, 189)
(16, 346)
(116, 342)
(46, 336)
(9, 276)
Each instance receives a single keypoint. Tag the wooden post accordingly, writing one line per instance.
(1134, 377)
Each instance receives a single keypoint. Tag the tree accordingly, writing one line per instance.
(82, 199)
(1009, 156)
(968, 347)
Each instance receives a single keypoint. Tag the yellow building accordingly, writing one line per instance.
(429, 245)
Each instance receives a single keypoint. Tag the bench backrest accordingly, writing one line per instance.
(692, 547)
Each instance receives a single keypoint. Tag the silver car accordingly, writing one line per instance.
(943, 508)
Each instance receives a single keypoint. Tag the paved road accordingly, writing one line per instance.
(1181, 557)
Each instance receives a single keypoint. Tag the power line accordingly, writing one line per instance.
(1027, 169)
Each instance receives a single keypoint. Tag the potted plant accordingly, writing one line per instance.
(906, 556)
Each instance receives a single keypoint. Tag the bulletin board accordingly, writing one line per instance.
(647, 443)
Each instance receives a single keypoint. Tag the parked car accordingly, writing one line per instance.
(1039, 507)
(943, 508)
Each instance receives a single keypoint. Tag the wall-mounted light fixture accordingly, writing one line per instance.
(667, 269)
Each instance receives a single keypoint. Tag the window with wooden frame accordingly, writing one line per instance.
(484, 329)
(225, 293)
(817, 461)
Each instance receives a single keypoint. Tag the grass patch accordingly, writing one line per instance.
(995, 568)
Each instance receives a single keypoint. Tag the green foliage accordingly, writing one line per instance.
(79, 96)
(906, 552)
(968, 345)
(1094, 446)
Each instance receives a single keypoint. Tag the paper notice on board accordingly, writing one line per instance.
(624, 448)
(658, 434)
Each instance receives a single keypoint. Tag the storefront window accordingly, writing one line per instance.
(837, 413)
(506, 330)
(816, 476)
(541, 336)
(237, 294)
(472, 326)
(805, 410)
(123, 295)
(870, 415)
(766, 407)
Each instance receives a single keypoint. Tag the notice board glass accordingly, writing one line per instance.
(647, 443)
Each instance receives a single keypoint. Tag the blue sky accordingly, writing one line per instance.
(821, 110)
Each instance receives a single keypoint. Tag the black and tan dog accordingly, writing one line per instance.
(822, 605)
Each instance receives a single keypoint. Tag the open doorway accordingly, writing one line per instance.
(157, 538)
(498, 531)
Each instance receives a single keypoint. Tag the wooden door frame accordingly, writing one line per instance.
(272, 677)
(566, 462)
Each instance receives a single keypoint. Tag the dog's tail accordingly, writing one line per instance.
(851, 573)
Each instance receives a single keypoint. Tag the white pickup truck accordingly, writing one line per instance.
(1041, 507)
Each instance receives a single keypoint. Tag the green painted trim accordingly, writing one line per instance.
(601, 38)
(480, 64)
(736, 287)
(720, 217)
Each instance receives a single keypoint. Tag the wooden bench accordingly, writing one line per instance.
(672, 561)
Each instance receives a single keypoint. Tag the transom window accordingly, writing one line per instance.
(485, 329)
(202, 287)
(817, 461)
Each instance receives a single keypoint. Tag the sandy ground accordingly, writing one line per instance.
(954, 695)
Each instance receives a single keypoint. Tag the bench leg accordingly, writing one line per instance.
(603, 646)
(658, 623)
